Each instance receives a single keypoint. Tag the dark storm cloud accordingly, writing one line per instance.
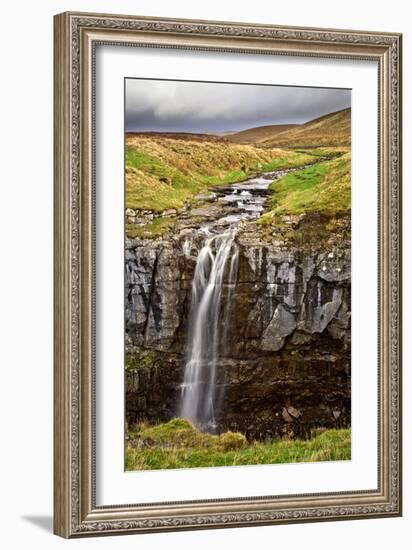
(173, 106)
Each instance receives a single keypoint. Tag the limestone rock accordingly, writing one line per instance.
(287, 363)
(169, 213)
(281, 325)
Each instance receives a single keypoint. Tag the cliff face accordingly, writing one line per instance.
(286, 367)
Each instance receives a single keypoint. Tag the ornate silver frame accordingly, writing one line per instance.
(76, 36)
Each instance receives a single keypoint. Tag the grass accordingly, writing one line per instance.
(329, 152)
(259, 133)
(329, 130)
(177, 444)
(180, 433)
(296, 158)
(232, 176)
(154, 229)
(154, 185)
(163, 173)
(324, 187)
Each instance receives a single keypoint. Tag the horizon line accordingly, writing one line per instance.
(233, 131)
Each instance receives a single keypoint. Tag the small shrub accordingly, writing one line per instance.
(232, 441)
(178, 432)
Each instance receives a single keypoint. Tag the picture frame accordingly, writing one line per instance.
(76, 38)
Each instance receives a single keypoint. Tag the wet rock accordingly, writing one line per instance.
(169, 213)
(292, 220)
(286, 416)
(319, 310)
(204, 212)
(286, 367)
(294, 412)
(139, 217)
(281, 325)
(334, 267)
(206, 197)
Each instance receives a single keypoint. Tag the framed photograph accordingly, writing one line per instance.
(227, 274)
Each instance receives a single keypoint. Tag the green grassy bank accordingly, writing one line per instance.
(177, 444)
(163, 173)
(323, 187)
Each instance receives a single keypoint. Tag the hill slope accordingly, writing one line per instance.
(323, 187)
(256, 135)
(329, 130)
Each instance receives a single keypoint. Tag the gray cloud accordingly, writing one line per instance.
(158, 105)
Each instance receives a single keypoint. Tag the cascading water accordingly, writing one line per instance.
(213, 284)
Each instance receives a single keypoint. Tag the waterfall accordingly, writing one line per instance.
(216, 270)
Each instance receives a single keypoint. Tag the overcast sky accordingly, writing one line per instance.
(176, 106)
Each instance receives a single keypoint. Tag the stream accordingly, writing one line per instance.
(213, 287)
